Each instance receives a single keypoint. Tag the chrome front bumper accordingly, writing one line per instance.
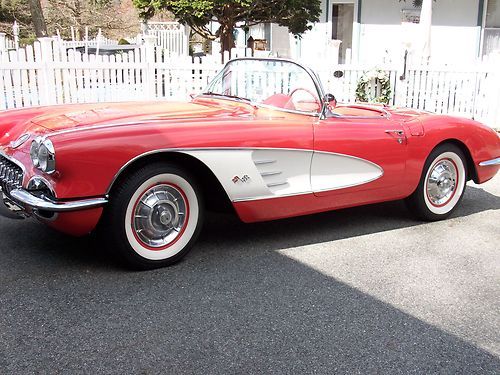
(488, 163)
(22, 203)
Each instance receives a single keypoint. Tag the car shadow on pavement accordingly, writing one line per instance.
(236, 305)
(334, 225)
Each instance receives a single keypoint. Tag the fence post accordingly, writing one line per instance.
(3, 42)
(149, 61)
(15, 31)
(47, 92)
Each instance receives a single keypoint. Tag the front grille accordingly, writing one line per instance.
(11, 175)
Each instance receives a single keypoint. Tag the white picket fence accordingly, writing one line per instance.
(48, 74)
(98, 41)
(171, 36)
(467, 91)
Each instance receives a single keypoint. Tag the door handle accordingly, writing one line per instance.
(397, 132)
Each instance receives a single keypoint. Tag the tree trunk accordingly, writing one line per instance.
(37, 18)
(227, 25)
(226, 39)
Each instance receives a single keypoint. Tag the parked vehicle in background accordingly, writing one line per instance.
(264, 140)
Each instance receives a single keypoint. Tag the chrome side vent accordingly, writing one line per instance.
(276, 184)
(270, 171)
(263, 162)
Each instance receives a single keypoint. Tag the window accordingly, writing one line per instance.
(491, 41)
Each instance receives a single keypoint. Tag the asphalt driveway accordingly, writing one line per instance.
(364, 290)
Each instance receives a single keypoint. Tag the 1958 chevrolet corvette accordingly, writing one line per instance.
(264, 140)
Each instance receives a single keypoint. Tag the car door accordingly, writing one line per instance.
(363, 157)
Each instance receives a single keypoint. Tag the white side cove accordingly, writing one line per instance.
(251, 174)
(336, 171)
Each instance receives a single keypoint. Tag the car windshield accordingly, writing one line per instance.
(276, 83)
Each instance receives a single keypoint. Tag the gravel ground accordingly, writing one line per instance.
(364, 290)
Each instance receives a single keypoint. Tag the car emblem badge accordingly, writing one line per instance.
(20, 141)
(241, 180)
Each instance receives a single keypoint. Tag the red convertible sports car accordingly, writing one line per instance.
(264, 140)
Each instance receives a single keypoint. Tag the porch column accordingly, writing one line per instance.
(356, 30)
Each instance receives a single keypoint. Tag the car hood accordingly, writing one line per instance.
(46, 120)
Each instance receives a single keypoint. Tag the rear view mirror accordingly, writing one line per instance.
(330, 100)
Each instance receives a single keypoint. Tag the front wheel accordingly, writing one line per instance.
(442, 184)
(154, 216)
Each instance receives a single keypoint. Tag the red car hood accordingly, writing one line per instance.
(44, 120)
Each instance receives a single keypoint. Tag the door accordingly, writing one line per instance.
(342, 28)
(364, 157)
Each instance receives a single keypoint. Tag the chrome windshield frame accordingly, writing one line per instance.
(309, 71)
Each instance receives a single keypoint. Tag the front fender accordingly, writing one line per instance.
(479, 141)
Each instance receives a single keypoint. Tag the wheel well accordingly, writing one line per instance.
(471, 167)
(214, 195)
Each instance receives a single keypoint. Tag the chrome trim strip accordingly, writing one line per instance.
(274, 184)
(26, 199)
(351, 185)
(488, 163)
(261, 198)
(250, 199)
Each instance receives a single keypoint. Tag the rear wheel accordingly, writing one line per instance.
(442, 184)
(154, 216)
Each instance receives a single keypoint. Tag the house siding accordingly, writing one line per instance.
(455, 33)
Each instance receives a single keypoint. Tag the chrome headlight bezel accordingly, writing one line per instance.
(43, 155)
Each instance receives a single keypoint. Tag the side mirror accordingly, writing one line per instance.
(330, 100)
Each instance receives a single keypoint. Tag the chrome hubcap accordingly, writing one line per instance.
(442, 182)
(159, 216)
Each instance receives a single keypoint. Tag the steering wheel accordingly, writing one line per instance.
(314, 96)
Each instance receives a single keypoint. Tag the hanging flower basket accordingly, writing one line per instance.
(374, 87)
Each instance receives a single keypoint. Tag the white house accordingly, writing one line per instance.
(378, 30)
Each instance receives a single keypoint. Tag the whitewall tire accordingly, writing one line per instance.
(442, 184)
(154, 216)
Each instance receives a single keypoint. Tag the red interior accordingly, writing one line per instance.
(357, 111)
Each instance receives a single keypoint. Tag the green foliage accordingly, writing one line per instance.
(294, 14)
(416, 3)
(15, 10)
(379, 78)
(27, 41)
(123, 42)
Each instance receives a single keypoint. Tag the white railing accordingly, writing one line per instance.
(171, 36)
(47, 74)
(98, 41)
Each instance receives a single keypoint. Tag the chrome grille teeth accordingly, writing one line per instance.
(11, 175)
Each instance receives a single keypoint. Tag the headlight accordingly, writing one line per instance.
(43, 155)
